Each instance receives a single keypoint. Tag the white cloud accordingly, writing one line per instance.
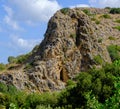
(104, 3)
(8, 19)
(34, 10)
(11, 23)
(80, 5)
(24, 44)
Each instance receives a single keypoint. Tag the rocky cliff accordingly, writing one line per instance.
(74, 41)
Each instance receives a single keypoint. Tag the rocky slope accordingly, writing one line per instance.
(72, 42)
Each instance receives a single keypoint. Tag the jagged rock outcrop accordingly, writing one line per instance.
(69, 47)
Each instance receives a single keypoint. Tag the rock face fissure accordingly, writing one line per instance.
(69, 47)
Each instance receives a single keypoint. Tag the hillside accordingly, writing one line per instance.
(75, 40)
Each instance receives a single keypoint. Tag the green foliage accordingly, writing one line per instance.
(98, 59)
(73, 35)
(118, 20)
(70, 84)
(19, 59)
(117, 27)
(28, 66)
(112, 38)
(3, 87)
(45, 99)
(87, 12)
(114, 51)
(12, 106)
(97, 22)
(2, 67)
(93, 89)
(106, 16)
(115, 10)
(65, 10)
(100, 40)
(11, 59)
(107, 7)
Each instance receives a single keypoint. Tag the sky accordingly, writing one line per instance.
(23, 23)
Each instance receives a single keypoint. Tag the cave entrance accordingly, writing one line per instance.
(63, 75)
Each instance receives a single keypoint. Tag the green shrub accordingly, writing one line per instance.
(3, 87)
(2, 67)
(33, 100)
(19, 59)
(28, 66)
(117, 27)
(65, 10)
(107, 7)
(73, 35)
(100, 40)
(115, 10)
(87, 12)
(98, 59)
(92, 88)
(112, 38)
(114, 52)
(118, 21)
(11, 59)
(97, 22)
(106, 16)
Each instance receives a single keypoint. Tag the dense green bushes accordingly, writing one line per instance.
(95, 89)
(115, 10)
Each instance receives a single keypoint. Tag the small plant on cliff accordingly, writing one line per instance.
(87, 12)
(98, 59)
(112, 38)
(100, 40)
(118, 21)
(73, 35)
(106, 16)
(65, 10)
(117, 27)
(114, 51)
(97, 22)
(2, 67)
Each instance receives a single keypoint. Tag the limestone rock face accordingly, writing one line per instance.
(69, 47)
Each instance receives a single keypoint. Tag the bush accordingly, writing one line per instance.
(112, 38)
(114, 52)
(33, 100)
(65, 10)
(117, 27)
(87, 12)
(100, 40)
(93, 88)
(11, 59)
(19, 59)
(118, 21)
(97, 22)
(107, 16)
(2, 67)
(98, 59)
(115, 10)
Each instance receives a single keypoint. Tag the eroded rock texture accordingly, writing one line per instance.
(69, 47)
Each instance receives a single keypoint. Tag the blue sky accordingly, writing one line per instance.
(24, 22)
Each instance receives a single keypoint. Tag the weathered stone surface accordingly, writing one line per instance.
(69, 47)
